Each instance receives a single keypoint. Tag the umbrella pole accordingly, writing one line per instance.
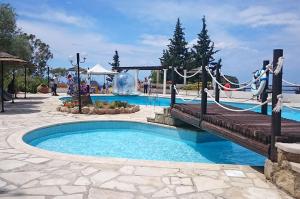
(13, 95)
(2, 91)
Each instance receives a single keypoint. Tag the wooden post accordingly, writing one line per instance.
(78, 82)
(2, 85)
(25, 82)
(204, 86)
(264, 95)
(173, 94)
(276, 117)
(218, 78)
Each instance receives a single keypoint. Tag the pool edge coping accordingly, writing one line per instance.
(15, 140)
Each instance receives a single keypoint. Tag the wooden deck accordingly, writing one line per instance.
(249, 129)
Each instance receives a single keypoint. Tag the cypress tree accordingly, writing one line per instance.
(115, 64)
(116, 61)
(204, 49)
(177, 53)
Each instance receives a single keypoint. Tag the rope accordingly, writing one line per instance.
(236, 110)
(290, 83)
(279, 65)
(294, 108)
(185, 100)
(280, 105)
(236, 89)
(175, 69)
(233, 82)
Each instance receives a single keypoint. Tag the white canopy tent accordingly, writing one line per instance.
(100, 70)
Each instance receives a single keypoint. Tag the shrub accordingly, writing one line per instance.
(99, 104)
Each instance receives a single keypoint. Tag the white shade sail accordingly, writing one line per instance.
(100, 70)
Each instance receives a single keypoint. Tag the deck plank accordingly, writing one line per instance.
(251, 129)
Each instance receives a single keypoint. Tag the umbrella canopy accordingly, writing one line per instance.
(11, 60)
(100, 70)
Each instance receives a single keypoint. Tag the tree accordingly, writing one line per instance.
(21, 47)
(116, 61)
(204, 49)
(61, 72)
(115, 64)
(177, 54)
(41, 54)
(7, 26)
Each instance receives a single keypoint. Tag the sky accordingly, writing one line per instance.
(245, 32)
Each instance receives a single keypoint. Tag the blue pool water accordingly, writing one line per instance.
(141, 141)
(145, 100)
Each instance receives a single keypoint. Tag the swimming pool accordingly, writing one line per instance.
(162, 101)
(141, 141)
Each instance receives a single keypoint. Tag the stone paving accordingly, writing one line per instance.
(30, 173)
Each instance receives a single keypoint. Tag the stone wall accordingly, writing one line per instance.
(285, 173)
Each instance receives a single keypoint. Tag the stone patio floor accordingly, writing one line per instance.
(31, 173)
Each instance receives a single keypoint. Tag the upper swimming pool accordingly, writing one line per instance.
(141, 141)
(162, 101)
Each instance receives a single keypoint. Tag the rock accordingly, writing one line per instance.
(58, 108)
(74, 110)
(64, 109)
(92, 110)
(270, 168)
(85, 110)
(286, 180)
(122, 110)
(99, 111)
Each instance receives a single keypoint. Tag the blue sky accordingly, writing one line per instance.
(245, 32)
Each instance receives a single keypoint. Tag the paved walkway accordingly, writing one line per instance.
(27, 172)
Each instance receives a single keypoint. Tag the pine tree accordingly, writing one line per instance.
(204, 49)
(177, 54)
(115, 64)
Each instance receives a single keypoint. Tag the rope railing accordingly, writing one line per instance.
(290, 83)
(236, 110)
(280, 104)
(198, 71)
(293, 108)
(237, 84)
(240, 88)
(185, 100)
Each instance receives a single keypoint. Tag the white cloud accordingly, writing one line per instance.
(64, 43)
(264, 16)
(59, 17)
(155, 40)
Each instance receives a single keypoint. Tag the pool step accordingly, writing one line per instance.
(165, 118)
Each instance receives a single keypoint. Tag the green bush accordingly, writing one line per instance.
(99, 104)
(120, 104)
(193, 86)
(32, 83)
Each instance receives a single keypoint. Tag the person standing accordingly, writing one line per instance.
(146, 84)
(70, 83)
(55, 81)
(51, 85)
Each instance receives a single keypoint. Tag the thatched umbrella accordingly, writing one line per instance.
(8, 60)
